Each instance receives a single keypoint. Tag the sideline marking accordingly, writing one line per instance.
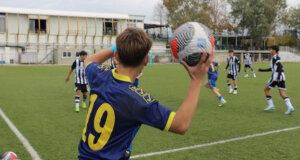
(25, 142)
(213, 143)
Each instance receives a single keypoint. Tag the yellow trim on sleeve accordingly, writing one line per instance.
(212, 67)
(169, 122)
(88, 64)
(120, 77)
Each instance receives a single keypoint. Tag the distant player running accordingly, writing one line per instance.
(277, 79)
(234, 69)
(248, 63)
(113, 63)
(117, 107)
(211, 82)
(81, 83)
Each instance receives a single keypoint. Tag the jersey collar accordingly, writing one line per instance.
(120, 77)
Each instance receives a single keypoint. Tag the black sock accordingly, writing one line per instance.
(77, 100)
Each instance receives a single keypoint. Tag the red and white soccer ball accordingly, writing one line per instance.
(190, 40)
(9, 156)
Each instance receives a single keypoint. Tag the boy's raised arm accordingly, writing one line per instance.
(101, 56)
(185, 113)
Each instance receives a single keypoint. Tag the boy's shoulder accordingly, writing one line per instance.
(139, 94)
(276, 57)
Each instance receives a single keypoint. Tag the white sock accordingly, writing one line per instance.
(270, 101)
(229, 86)
(288, 103)
(221, 98)
(77, 101)
(253, 72)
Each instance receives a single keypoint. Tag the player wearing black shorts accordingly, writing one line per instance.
(81, 83)
(277, 79)
(248, 63)
(234, 69)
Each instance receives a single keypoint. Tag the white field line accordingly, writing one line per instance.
(25, 142)
(214, 143)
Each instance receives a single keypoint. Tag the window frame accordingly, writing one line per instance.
(66, 54)
(3, 15)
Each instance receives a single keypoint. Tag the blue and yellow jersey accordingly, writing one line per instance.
(213, 71)
(116, 109)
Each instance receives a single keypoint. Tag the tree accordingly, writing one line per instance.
(292, 22)
(161, 14)
(220, 15)
(182, 11)
(212, 13)
(257, 18)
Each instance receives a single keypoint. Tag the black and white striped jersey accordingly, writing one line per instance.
(234, 65)
(248, 58)
(79, 72)
(112, 64)
(276, 68)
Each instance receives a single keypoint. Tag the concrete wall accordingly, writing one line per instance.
(62, 34)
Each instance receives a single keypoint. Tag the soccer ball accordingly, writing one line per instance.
(9, 156)
(190, 40)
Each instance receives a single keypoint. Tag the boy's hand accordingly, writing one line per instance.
(67, 79)
(198, 72)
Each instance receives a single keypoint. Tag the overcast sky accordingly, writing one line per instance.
(139, 7)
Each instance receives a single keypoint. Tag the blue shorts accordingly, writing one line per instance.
(212, 83)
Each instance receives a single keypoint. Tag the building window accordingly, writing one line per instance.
(132, 23)
(110, 27)
(35, 27)
(67, 55)
(2, 22)
(77, 54)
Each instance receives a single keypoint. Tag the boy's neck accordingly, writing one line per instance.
(131, 72)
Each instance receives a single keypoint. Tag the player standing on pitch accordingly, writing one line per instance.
(234, 69)
(277, 79)
(81, 83)
(248, 63)
(117, 107)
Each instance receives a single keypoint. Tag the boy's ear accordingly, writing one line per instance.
(146, 60)
(116, 56)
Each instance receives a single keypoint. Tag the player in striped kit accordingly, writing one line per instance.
(81, 83)
(113, 63)
(234, 69)
(248, 63)
(277, 79)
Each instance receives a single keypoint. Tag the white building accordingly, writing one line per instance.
(51, 36)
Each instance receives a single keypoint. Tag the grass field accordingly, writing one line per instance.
(41, 105)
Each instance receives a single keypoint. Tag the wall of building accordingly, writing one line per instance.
(62, 33)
